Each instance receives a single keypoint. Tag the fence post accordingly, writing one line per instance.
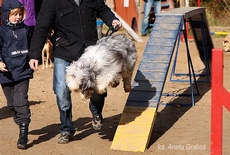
(217, 101)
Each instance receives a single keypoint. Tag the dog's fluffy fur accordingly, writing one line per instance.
(226, 43)
(103, 65)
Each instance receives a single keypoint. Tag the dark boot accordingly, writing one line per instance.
(22, 141)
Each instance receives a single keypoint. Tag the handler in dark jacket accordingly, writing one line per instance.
(75, 28)
(15, 71)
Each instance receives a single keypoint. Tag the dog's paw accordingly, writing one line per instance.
(83, 97)
(50, 65)
(114, 84)
(127, 89)
(87, 94)
(101, 91)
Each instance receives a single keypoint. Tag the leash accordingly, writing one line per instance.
(112, 29)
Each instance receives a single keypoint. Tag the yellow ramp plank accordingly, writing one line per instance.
(134, 129)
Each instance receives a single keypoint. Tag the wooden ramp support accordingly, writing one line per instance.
(135, 126)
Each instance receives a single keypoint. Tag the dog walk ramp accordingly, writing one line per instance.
(135, 126)
(136, 123)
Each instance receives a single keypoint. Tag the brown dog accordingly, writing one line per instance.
(47, 53)
(226, 43)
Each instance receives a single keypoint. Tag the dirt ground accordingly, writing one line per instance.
(185, 127)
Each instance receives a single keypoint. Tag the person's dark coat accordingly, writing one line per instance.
(13, 46)
(75, 27)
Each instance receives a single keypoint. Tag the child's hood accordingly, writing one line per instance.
(7, 6)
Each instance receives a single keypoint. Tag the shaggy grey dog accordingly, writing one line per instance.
(103, 65)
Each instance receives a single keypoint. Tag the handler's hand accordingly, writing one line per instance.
(116, 22)
(34, 64)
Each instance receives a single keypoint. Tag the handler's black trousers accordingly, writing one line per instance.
(16, 94)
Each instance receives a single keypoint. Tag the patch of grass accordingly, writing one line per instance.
(218, 12)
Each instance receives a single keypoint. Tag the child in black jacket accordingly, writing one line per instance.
(15, 71)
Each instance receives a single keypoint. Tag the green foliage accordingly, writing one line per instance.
(218, 11)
